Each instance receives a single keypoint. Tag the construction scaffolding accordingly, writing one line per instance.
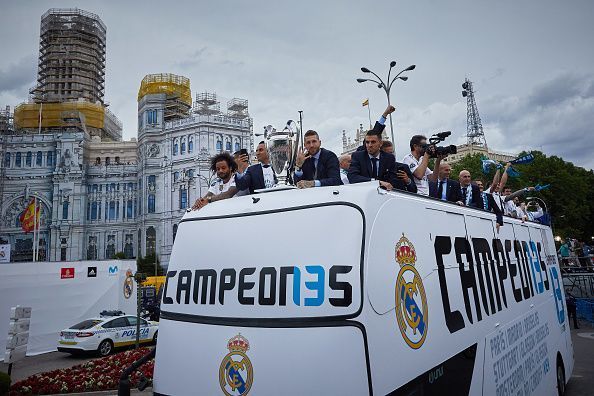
(93, 118)
(237, 108)
(6, 121)
(71, 57)
(177, 91)
(207, 103)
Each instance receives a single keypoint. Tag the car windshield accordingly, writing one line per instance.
(86, 324)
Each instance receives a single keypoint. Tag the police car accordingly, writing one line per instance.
(103, 334)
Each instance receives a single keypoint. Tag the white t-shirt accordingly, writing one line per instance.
(218, 186)
(268, 174)
(422, 184)
(344, 176)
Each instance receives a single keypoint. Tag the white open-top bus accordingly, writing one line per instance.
(352, 290)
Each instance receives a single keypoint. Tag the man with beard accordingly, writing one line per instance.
(316, 167)
(224, 185)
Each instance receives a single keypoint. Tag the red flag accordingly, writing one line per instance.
(28, 220)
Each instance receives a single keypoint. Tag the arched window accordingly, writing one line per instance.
(94, 211)
(128, 250)
(50, 158)
(151, 240)
(29, 159)
(183, 198)
(97, 160)
(65, 210)
(237, 146)
(129, 212)
(190, 173)
(190, 145)
(17, 160)
(107, 160)
(228, 145)
(219, 144)
(151, 203)
(175, 176)
(6, 160)
(174, 231)
(39, 159)
(112, 210)
(183, 146)
(175, 147)
(92, 248)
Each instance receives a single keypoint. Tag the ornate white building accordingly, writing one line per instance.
(100, 195)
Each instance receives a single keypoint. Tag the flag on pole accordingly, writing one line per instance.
(30, 217)
(366, 102)
(526, 159)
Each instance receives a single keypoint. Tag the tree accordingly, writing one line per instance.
(146, 265)
(569, 199)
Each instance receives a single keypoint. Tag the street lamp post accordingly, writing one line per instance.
(387, 87)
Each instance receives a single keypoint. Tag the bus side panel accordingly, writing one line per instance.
(410, 346)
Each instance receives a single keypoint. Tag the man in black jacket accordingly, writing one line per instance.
(257, 176)
(445, 188)
(316, 167)
(374, 164)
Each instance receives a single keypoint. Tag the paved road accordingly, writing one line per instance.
(582, 379)
(580, 384)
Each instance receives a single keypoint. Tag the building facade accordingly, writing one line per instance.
(99, 195)
(468, 149)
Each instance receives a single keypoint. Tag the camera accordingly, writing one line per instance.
(435, 150)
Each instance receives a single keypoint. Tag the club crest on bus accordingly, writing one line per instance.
(236, 373)
(128, 284)
(411, 301)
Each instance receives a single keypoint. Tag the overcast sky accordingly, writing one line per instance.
(531, 62)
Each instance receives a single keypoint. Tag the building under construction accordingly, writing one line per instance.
(175, 89)
(71, 77)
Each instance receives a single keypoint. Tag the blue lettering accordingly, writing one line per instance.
(558, 295)
(317, 285)
(297, 286)
(536, 267)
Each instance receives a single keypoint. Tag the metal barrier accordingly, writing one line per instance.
(585, 310)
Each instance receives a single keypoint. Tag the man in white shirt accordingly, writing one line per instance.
(344, 161)
(223, 186)
(418, 162)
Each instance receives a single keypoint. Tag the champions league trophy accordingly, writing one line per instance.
(282, 147)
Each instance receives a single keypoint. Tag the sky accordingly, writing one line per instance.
(531, 63)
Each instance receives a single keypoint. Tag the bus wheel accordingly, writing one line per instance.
(560, 377)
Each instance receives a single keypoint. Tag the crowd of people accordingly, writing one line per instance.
(316, 166)
(576, 256)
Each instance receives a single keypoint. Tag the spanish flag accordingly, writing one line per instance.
(366, 102)
(28, 220)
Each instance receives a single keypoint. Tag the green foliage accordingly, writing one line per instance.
(570, 198)
(4, 383)
(119, 256)
(147, 265)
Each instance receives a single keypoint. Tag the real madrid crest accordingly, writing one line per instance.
(411, 301)
(128, 284)
(236, 373)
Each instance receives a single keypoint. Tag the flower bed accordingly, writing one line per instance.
(96, 375)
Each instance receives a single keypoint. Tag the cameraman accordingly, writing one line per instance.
(418, 162)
